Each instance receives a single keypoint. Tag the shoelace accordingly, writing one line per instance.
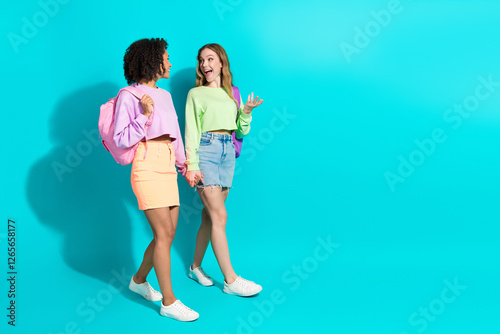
(150, 289)
(203, 273)
(245, 280)
(245, 284)
(239, 281)
(182, 308)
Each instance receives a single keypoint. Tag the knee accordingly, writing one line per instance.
(219, 216)
(219, 219)
(164, 236)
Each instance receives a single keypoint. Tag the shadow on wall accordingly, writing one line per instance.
(78, 190)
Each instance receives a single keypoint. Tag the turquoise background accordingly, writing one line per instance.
(314, 167)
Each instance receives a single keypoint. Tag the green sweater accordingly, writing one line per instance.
(211, 109)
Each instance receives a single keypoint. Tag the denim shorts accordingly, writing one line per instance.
(216, 159)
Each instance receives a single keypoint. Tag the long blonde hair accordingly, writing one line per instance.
(226, 75)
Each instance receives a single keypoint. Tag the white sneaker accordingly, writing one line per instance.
(178, 311)
(199, 276)
(242, 287)
(145, 290)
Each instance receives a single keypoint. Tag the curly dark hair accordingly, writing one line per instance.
(144, 59)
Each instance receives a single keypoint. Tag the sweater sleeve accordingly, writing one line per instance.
(129, 121)
(193, 133)
(243, 122)
(180, 155)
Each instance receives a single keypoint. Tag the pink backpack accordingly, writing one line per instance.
(123, 156)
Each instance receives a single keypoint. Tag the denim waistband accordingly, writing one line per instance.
(218, 136)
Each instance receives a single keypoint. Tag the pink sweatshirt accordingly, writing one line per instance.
(130, 122)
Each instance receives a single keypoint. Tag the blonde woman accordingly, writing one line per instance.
(212, 114)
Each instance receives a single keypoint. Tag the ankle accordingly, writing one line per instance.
(138, 280)
(230, 279)
(168, 301)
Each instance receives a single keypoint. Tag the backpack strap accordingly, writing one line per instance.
(134, 91)
(138, 93)
(236, 95)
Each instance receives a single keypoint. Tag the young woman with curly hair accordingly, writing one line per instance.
(211, 117)
(153, 178)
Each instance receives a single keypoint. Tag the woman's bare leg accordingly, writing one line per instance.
(213, 200)
(163, 228)
(146, 265)
(202, 239)
(147, 260)
(204, 234)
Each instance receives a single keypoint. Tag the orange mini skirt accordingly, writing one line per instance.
(154, 177)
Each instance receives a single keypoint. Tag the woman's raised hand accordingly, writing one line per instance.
(147, 105)
(251, 103)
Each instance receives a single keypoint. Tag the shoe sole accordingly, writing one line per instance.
(229, 292)
(140, 294)
(193, 277)
(171, 317)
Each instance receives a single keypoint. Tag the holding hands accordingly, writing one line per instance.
(251, 103)
(193, 177)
